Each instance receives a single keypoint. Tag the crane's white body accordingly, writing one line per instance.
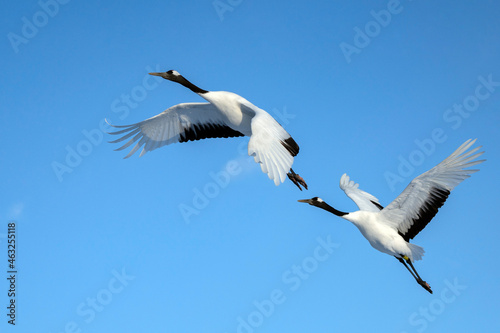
(237, 111)
(383, 237)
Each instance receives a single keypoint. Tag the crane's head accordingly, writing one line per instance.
(313, 201)
(174, 76)
(320, 203)
(170, 75)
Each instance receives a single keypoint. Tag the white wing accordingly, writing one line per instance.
(365, 201)
(180, 123)
(271, 146)
(415, 207)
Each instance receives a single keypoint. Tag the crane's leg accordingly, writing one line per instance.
(296, 179)
(408, 268)
(415, 275)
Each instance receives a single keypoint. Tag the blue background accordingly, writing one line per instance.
(103, 243)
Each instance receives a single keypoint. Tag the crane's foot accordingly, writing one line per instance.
(413, 272)
(296, 179)
(425, 285)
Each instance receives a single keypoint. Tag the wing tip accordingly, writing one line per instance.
(344, 179)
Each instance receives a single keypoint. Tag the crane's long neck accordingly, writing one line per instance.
(182, 80)
(329, 208)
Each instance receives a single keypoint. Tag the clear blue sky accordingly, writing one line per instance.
(381, 90)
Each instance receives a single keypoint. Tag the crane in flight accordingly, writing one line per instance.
(390, 229)
(225, 115)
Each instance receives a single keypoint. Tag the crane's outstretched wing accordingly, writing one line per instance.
(180, 123)
(365, 201)
(415, 207)
(271, 146)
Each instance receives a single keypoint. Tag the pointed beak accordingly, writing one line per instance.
(305, 200)
(156, 74)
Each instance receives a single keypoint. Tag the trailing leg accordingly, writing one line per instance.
(296, 179)
(414, 273)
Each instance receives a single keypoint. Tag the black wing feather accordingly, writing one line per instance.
(291, 146)
(207, 131)
(429, 209)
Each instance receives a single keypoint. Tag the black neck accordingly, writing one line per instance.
(329, 208)
(191, 86)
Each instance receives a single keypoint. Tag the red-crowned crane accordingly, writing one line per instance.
(390, 229)
(225, 115)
